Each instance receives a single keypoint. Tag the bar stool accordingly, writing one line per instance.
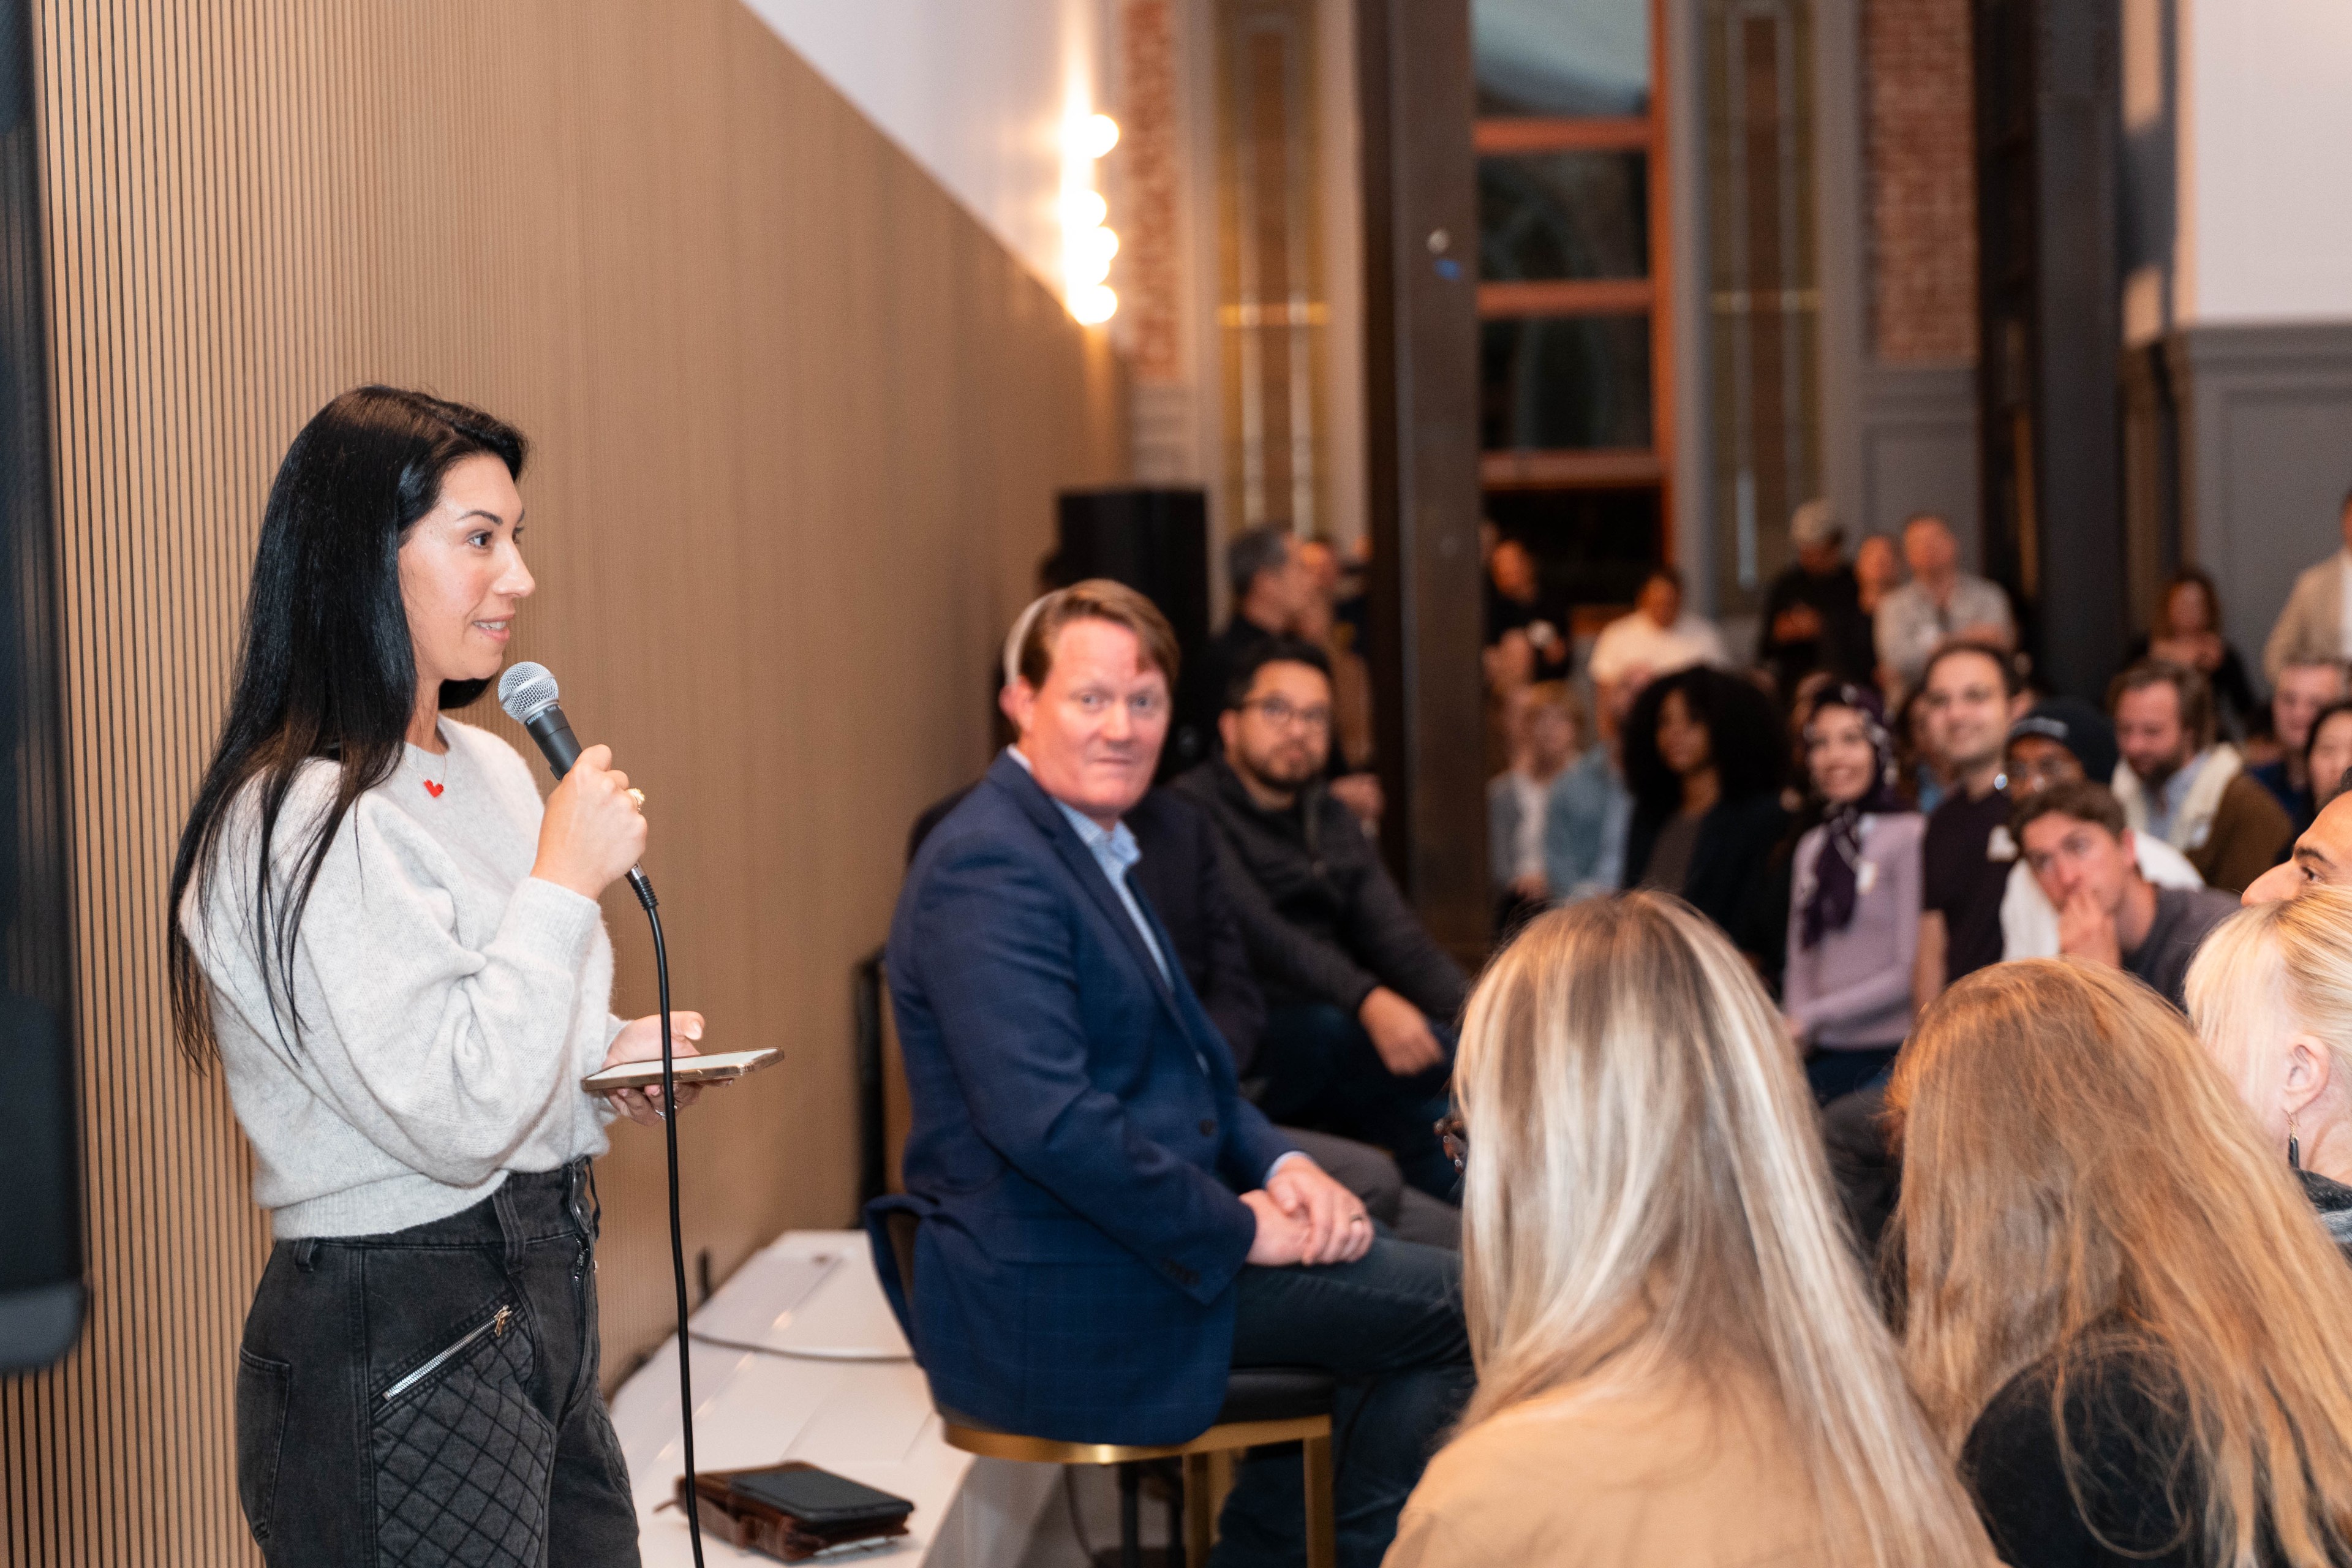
(1262, 1404)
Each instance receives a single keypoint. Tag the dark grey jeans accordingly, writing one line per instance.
(1388, 1326)
(429, 1397)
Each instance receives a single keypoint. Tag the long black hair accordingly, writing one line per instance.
(325, 669)
(1743, 739)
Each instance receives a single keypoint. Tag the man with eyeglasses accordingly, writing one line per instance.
(1359, 997)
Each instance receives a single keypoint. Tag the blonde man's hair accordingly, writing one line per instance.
(2076, 1167)
(1646, 1197)
(1029, 649)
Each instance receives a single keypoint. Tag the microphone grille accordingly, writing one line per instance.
(526, 690)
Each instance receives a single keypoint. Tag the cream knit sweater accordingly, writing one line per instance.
(449, 1001)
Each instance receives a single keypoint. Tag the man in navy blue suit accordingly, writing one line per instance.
(1107, 1226)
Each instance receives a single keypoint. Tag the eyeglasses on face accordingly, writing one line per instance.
(1278, 712)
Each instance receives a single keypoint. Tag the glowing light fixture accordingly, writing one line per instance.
(1088, 246)
(1095, 135)
(1096, 245)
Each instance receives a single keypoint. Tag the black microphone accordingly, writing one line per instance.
(529, 693)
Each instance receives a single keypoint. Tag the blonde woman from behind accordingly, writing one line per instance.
(2122, 1318)
(2270, 991)
(1679, 1359)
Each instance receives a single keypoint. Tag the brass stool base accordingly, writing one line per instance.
(1208, 1470)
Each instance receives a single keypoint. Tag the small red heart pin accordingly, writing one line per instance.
(433, 789)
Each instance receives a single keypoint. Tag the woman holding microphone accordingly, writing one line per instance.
(397, 957)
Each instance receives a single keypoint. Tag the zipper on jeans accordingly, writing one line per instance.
(495, 1325)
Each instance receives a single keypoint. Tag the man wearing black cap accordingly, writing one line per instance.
(2058, 740)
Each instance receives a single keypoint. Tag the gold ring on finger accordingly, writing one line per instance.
(638, 795)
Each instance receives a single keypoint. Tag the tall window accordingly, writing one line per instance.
(1575, 396)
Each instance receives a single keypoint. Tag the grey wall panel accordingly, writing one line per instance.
(2265, 417)
(1918, 435)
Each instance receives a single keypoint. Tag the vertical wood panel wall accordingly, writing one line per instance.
(797, 424)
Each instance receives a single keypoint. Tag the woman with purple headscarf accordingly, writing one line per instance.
(1854, 922)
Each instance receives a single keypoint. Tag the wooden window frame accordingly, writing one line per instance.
(1607, 468)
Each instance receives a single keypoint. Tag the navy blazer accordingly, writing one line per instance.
(1073, 1115)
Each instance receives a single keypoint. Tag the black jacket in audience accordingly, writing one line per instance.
(1179, 876)
(1730, 877)
(2141, 1498)
(1322, 921)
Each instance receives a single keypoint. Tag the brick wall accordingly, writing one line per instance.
(1920, 177)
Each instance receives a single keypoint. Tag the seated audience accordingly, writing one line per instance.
(2328, 754)
(1106, 1226)
(2062, 740)
(1678, 1363)
(2187, 631)
(1658, 639)
(1359, 997)
(1923, 780)
(1703, 761)
(2304, 686)
(2120, 1315)
(2310, 627)
(2271, 994)
(1940, 604)
(1517, 601)
(1812, 617)
(2072, 838)
(1272, 585)
(1970, 690)
(1853, 922)
(1877, 571)
(1352, 747)
(1586, 820)
(2177, 781)
(1542, 732)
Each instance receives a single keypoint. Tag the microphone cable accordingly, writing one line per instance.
(644, 888)
(529, 695)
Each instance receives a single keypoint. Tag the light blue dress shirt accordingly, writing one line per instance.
(1114, 849)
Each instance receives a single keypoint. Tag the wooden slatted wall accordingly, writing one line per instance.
(798, 422)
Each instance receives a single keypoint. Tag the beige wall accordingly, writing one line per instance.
(798, 423)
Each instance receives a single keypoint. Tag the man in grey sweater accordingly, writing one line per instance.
(1361, 999)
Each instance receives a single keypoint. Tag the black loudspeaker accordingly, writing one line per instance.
(1157, 543)
(41, 1295)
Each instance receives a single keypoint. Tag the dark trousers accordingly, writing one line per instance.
(1318, 1070)
(429, 1397)
(1834, 1074)
(1389, 1326)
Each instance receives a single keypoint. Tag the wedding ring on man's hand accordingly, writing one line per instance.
(638, 795)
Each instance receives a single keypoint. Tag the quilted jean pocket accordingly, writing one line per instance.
(463, 1458)
(262, 1386)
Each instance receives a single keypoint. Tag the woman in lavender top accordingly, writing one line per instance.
(1853, 925)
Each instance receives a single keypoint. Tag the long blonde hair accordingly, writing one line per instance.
(2076, 1167)
(2270, 965)
(1647, 1195)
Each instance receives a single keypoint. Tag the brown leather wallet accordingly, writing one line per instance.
(755, 1526)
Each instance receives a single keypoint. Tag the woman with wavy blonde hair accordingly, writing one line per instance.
(2271, 994)
(2120, 1314)
(1679, 1361)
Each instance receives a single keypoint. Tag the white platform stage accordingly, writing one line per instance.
(797, 1357)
